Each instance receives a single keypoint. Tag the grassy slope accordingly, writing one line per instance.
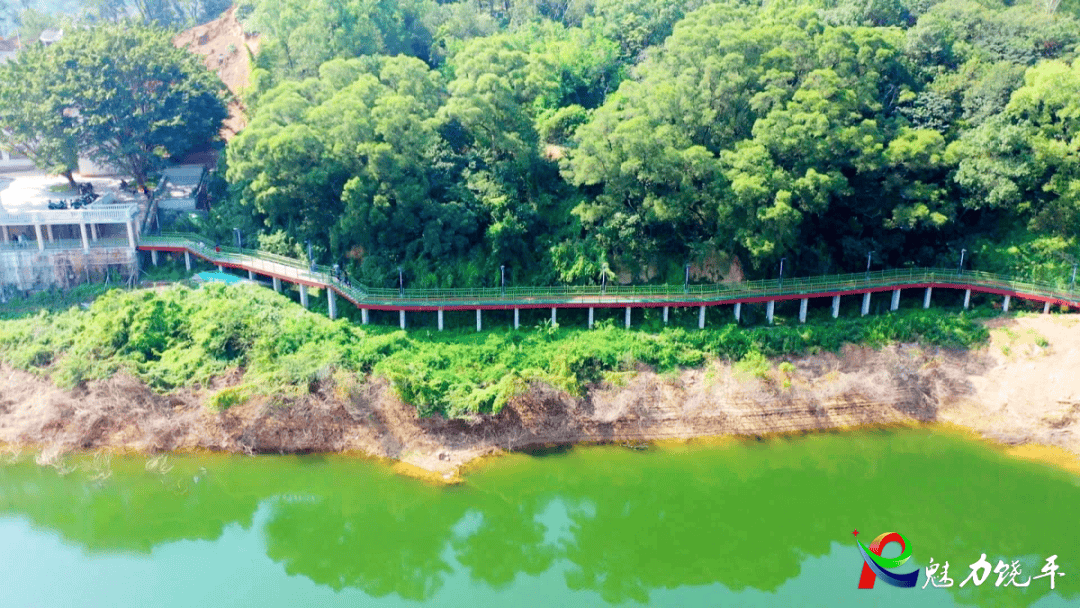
(182, 337)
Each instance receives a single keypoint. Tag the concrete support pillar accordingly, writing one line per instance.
(7, 239)
(802, 309)
(553, 321)
(48, 229)
(770, 307)
(517, 318)
(364, 318)
(590, 318)
(85, 241)
(967, 298)
(926, 297)
(41, 241)
(251, 276)
(866, 303)
(131, 234)
(277, 283)
(1005, 304)
(401, 318)
(440, 315)
(627, 317)
(665, 315)
(303, 296)
(701, 317)
(895, 304)
(93, 232)
(1046, 308)
(835, 306)
(331, 301)
(220, 268)
(479, 321)
(738, 311)
(153, 256)
(187, 265)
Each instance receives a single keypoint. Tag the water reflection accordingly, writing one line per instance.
(626, 525)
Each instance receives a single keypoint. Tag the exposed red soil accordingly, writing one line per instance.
(226, 50)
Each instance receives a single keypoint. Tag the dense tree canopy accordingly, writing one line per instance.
(124, 96)
(569, 139)
(31, 123)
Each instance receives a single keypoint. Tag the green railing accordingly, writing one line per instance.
(611, 295)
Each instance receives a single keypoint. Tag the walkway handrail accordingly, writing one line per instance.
(612, 295)
(113, 214)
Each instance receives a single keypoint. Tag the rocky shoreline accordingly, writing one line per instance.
(1017, 390)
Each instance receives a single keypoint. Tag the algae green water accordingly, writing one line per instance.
(743, 523)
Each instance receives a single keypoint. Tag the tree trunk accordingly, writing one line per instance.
(71, 180)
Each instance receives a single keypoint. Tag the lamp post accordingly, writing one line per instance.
(960, 268)
(686, 280)
(311, 258)
(869, 258)
(239, 243)
(780, 283)
(400, 281)
(1072, 283)
(603, 279)
(502, 277)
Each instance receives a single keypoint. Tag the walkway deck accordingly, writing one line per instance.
(614, 296)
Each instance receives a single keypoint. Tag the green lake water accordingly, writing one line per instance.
(744, 523)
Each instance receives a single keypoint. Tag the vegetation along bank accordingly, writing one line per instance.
(242, 368)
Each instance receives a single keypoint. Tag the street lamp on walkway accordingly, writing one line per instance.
(960, 268)
(781, 281)
(869, 258)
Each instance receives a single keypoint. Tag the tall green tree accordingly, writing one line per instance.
(1026, 160)
(33, 120)
(133, 97)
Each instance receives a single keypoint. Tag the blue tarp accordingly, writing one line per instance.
(220, 277)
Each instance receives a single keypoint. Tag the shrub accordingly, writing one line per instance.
(181, 337)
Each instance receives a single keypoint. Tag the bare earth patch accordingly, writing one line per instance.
(1021, 389)
(225, 49)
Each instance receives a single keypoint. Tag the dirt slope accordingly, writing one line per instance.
(225, 49)
(1018, 390)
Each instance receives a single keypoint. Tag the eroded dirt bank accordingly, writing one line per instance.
(1022, 388)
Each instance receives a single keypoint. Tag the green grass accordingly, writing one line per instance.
(179, 337)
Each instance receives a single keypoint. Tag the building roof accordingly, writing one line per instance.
(184, 175)
(180, 182)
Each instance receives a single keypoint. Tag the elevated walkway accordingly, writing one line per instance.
(280, 268)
